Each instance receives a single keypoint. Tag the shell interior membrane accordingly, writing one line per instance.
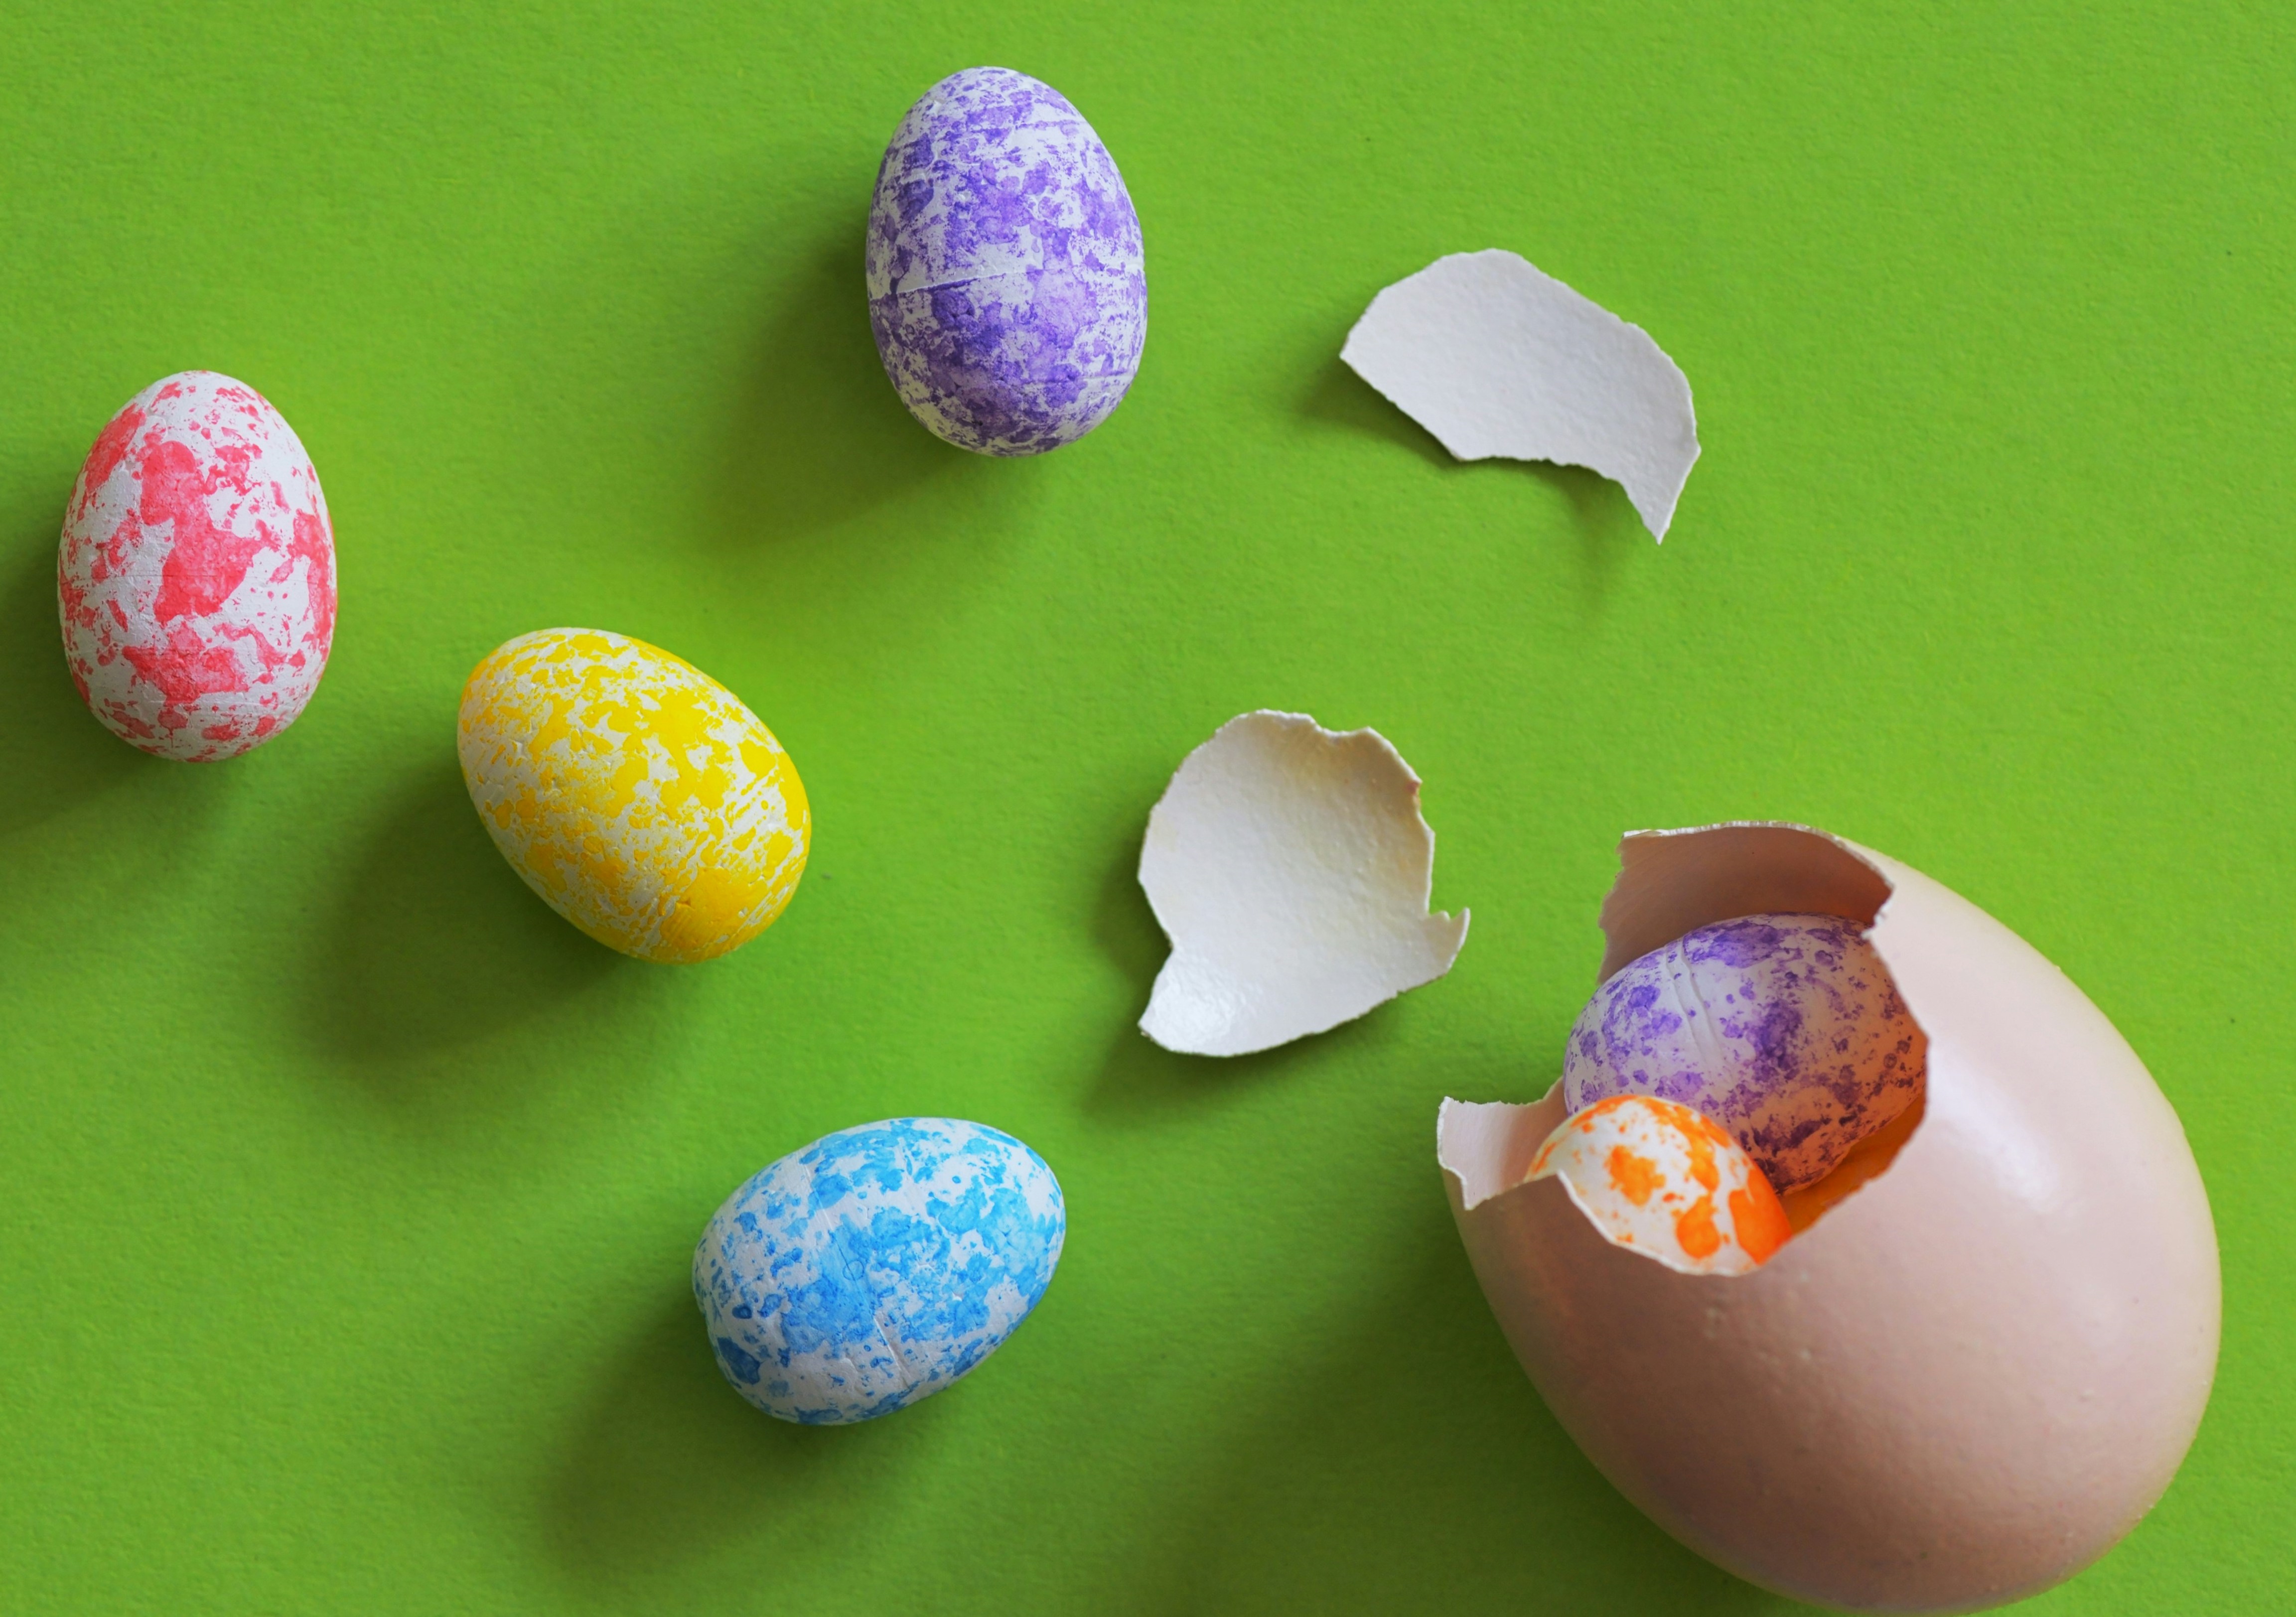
(1290, 866)
(876, 1266)
(1785, 1029)
(196, 577)
(638, 796)
(1007, 287)
(1655, 1176)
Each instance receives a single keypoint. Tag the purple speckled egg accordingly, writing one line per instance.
(1006, 286)
(1784, 1029)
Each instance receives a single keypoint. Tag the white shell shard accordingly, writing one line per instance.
(1496, 357)
(1290, 868)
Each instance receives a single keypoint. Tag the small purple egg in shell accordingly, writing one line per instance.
(1784, 1029)
(1006, 285)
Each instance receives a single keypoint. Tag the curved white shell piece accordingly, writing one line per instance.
(1290, 868)
(1496, 357)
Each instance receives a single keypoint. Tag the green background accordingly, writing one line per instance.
(349, 1194)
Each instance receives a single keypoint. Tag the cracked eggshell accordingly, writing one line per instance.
(1290, 868)
(1007, 287)
(1967, 1380)
(634, 793)
(876, 1266)
(196, 577)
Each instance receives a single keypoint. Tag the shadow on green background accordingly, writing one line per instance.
(817, 437)
(1602, 516)
(1396, 1490)
(1400, 1497)
(43, 716)
(1339, 398)
(667, 1466)
(434, 942)
(843, 534)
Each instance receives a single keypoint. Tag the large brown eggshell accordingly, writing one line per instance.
(1968, 1379)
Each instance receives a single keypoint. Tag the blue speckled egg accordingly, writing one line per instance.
(1006, 284)
(1784, 1029)
(876, 1266)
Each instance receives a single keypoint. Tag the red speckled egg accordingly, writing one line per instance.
(196, 576)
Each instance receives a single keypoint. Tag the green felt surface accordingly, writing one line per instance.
(350, 1194)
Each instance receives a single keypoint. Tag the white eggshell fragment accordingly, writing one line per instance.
(1496, 357)
(1658, 1177)
(1007, 289)
(876, 1266)
(1785, 1029)
(195, 579)
(1968, 1379)
(1290, 868)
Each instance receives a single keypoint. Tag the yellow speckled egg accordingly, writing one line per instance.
(636, 794)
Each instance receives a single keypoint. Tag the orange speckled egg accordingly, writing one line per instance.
(1660, 1178)
(636, 794)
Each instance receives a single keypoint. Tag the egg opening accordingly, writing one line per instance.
(1791, 1031)
(1786, 1029)
(1771, 1049)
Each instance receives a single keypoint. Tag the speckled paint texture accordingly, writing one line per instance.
(195, 579)
(876, 1266)
(636, 794)
(1785, 1029)
(1655, 1176)
(1006, 285)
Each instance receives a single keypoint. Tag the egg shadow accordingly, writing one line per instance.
(1137, 1076)
(666, 1464)
(1607, 520)
(1123, 924)
(818, 437)
(1400, 1454)
(1602, 514)
(62, 756)
(435, 942)
(1337, 397)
